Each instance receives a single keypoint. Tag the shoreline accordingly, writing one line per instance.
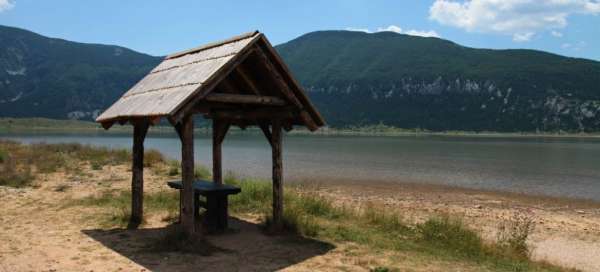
(32, 125)
(393, 187)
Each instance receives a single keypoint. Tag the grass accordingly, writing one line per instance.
(443, 237)
(305, 212)
(20, 163)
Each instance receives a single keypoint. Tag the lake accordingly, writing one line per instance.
(565, 167)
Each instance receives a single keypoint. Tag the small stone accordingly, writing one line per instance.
(478, 207)
(581, 212)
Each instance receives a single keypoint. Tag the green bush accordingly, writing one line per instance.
(450, 234)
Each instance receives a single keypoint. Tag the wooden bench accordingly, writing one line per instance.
(216, 201)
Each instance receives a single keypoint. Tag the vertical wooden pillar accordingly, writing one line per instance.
(137, 178)
(277, 174)
(216, 152)
(220, 129)
(187, 174)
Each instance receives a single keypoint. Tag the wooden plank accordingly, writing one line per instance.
(187, 174)
(140, 130)
(245, 99)
(277, 175)
(219, 131)
(252, 115)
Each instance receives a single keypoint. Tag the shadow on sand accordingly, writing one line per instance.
(246, 248)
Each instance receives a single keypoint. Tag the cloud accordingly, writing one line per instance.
(355, 29)
(6, 5)
(556, 34)
(391, 28)
(521, 19)
(523, 37)
(397, 29)
(430, 33)
(574, 46)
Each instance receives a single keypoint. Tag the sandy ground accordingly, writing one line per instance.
(567, 232)
(37, 233)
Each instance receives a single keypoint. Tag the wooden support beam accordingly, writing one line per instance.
(247, 79)
(257, 114)
(220, 129)
(277, 174)
(245, 99)
(107, 125)
(265, 129)
(285, 89)
(211, 83)
(187, 174)
(140, 130)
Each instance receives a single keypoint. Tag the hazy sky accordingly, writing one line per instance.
(566, 27)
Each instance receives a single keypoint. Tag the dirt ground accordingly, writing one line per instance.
(38, 233)
(566, 232)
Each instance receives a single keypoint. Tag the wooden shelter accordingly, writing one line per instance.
(241, 82)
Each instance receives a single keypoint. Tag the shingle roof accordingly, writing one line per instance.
(191, 73)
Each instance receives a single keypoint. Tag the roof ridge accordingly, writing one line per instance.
(212, 45)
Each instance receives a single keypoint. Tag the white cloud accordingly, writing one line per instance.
(397, 29)
(430, 33)
(523, 37)
(355, 29)
(6, 5)
(391, 28)
(556, 34)
(521, 19)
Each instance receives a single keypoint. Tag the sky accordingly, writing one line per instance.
(566, 27)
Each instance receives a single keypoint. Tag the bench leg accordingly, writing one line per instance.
(222, 213)
(180, 205)
(197, 204)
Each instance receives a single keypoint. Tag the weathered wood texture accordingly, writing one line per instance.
(187, 174)
(137, 179)
(245, 99)
(173, 81)
(219, 131)
(177, 85)
(277, 174)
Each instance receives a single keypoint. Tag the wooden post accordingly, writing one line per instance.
(220, 129)
(187, 174)
(137, 179)
(277, 175)
(216, 152)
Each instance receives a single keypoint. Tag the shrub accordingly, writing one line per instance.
(174, 167)
(153, 157)
(385, 220)
(513, 233)
(294, 221)
(450, 234)
(201, 172)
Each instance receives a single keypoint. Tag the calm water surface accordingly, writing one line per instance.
(549, 166)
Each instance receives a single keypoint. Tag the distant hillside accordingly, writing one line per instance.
(54, 78)
(357, 78)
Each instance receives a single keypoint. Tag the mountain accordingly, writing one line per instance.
(354, 78)
(54, 78)
(359, 78)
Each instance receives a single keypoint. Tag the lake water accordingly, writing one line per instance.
(549, 166)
